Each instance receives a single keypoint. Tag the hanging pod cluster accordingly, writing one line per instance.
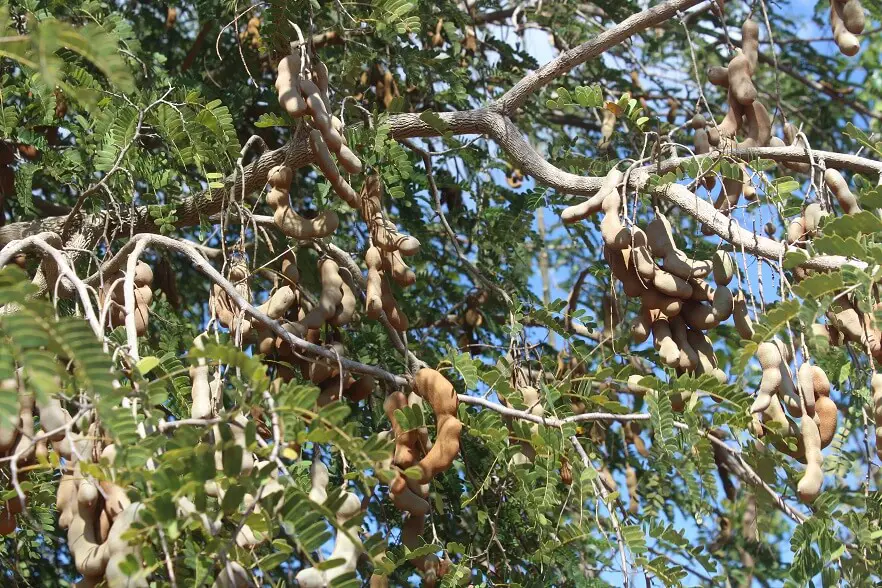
(413, 448)
(847, 21)
(780, 400)
(114, 302)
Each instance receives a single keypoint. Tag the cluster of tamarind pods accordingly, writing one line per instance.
(847, 21)
(115, 301)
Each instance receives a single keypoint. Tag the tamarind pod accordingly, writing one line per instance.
(805, 379)
(349, 160)
(238, 430)
(89, 554)
(276, 197)
(280, 177)
(24, 448)
(667, 305)
(820, 382)
(750, 42)
(331, 295)
(394, 265)
(643, 263)
(672, 285)
(788, 394)
(361, 389)
(790, 137)
(607, 127)
(634, 386)
(115, 498)
(387, 238)
(810, 484)
(103, 525)
(288, 87)
(732, 121)
(729, 195)
(667, 348)
(848, 322)
(624, 271)
(770, 360)
(640, 327)
(346, 308)
(444, 451)
(323, 156)
(707, 359)
(758, 125)
(718, 76)
(702, 144)
(698, 121)
(235, 576)
(322, 80)
(837, 184)
(713, 137)
(373, 296)
(319, 477)
(740, 84)
(322, 119)
(812, 216)
(344, 190)
(743, 324)
(200, 390)
(660, 239)
(405, 454)
(300, 228)
(437, 390)
(279, 302)
(723, 268)
(853, 16)
(688, 356)
(699, 315)
(847, 42)
(405, 499)
(827, 415)
(796, 230)
(53, 417)
(345, 548)
(143, 274)
(702, 291)
(747, 187)
(396, 316)
(614, 233)
(65, 496)
(594, 204)
(378, 581)
(723, 304)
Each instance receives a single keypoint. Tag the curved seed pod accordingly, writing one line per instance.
(393, 265)
(806, 379)
(740, 84)
(623, 269)
(671, 285)
(827, 415)
(847, 42)
(346, 308)
(233, 576)
(853, 16)
(707, 359)
(718, 76)
(349, 160)
(373, 297)
(820, 382)
(643, 263)
(660, 239)
(594, 204)
(698, 121)
(615, 235)
(331, 295)
(702, 144)
(200, 391)
(813, 214)
(323, 156)
(664, 343)
(666, 305)
(732, 121)
(387, 237)
(743, 324)
(796, 230)
(688, 356)
(320, 115)
(810, 484)
(702, 291)
(758, 126)
(641, 326)
(769, 356)
(750, 42)
(837, 184)
(288, 88)
(396, 316)
(53, 417)
(723, 268)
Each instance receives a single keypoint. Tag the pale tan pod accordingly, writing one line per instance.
(298, 227)
(837, 184)
(743, 323)
(750, 42)
(769, 356)
(847, 42)
(813, 477)
(346, 308)
(349, 160)
(323, 156)
(724, 267)
(806, 381)
(740, 84)
(718, 75)
(702, 291)
(373, 297)
(688, 356)
(667, 348)
(288, 87)
(594, 204)
(853, 16)
(827, 415)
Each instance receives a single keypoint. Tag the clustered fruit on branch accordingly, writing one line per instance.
(413, 448)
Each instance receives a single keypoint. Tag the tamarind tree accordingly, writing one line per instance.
(440, 293)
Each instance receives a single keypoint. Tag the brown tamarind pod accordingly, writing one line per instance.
(701, 142)
(853, 16)
(667, 305)
(743, 324)
(827, 415)
(796, 230)
(373, 297)
(394, 266)
(758, 127)
(661, 242)
(288, 87)
(740, 84)
(664, 343)
(323, 156)
(349, 160)
(848, 43)
(837, 184)
(346, 307)
(688, 356)
(750, 42)
(615, 235)
(805, 379)
(810, 484)
(396, 316)
(732, 122)
(718, 76)
(594, 204)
